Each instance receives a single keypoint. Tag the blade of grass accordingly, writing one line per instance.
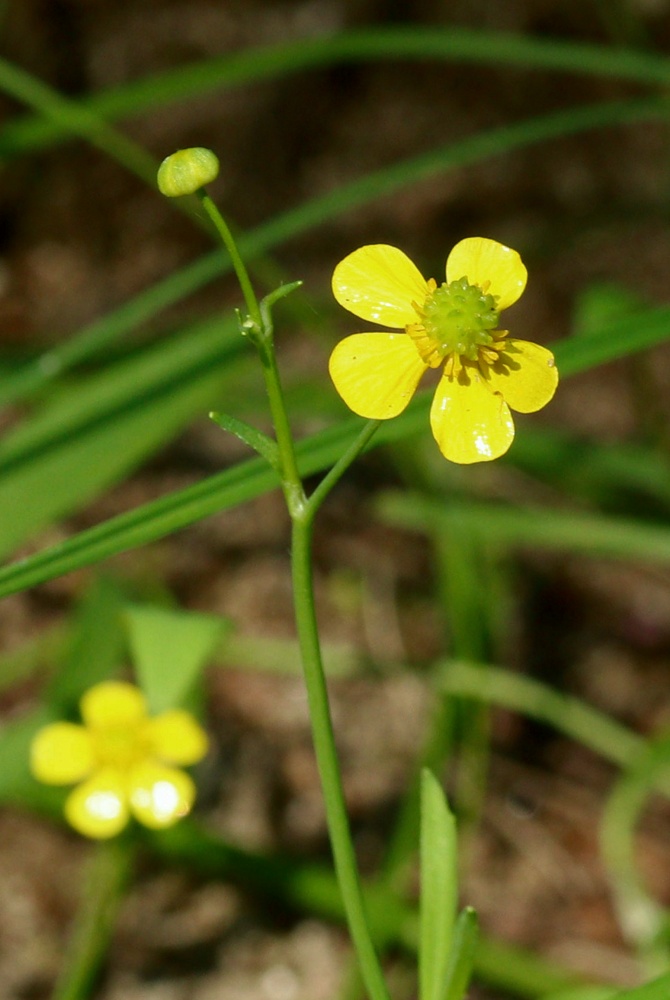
(74, 118)
(464, 949)
(247, 480)
(659, 989)
(89, 439)
(642, 918)
(108, 872)
(569, 715)
(265, 63)
(439, 888)
(312, 213)
(532, 527)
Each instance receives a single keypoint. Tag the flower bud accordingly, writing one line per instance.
(186, 171)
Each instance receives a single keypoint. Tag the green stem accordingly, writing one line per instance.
(106, 877)
(228, 241)
(333, 477)
(290, 476)
(258, 326)
(326, 755)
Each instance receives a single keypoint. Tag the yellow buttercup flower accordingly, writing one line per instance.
(455, 325)
(122, 759)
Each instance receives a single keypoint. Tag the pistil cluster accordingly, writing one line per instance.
(457, 322)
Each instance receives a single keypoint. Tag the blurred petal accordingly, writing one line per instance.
(379, 284)
(526, 375)
(376, 374)
(494, 267)
(113, 703)
(159, 796)
(61, 754)
(98, 808)
(470, 423)
(177, 738)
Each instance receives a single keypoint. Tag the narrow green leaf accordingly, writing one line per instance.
(89, 437)
(96, 646)
(584, 993)
(659, 989)
(169, 651)
(533, 527)
(312, 213)
(271, 62)
(439, 889)
(461, 960)
(260, 442)
(568, 715)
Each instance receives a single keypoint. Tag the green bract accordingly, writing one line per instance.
(186, 171)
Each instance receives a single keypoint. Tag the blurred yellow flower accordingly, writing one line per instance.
(122, 760)
(486, 372)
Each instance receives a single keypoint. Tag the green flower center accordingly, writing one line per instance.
(458, 316)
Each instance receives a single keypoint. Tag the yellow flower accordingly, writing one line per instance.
(485, 371)
(122, 759)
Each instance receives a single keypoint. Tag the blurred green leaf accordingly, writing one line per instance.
(170, 648)
(499, 524)
(95, 431)
(659, 989)
(268, 62)
(439, 889)
(96, 646)
(463, 951)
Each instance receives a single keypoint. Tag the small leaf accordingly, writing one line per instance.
(260, 442)
(96, 646)
(466, 933)
(439, 889)
(279, 293)
(169, 650)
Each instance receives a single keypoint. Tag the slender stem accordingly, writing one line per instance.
(106, 877)
(260, 330)
(224, 232)
(290, 476)
(261, 333)
(341, 466)
(326, 755)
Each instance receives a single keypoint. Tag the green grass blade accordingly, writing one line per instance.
(75, 119)
(532, 527)
(90, 438)
(641, 917)
(96, 647)
(393, 43)
(466, 934)
(659, 989)
(439, 888)
(319, 210)
(569, 715)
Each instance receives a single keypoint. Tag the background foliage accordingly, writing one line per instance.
(538, 585)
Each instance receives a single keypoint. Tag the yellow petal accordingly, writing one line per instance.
(159, 796)
(376, 374)
(61, 754)
(176, 738)
(113, 703)
(470, 423)
(525, 375)
(98, 808)
(379, 283)
(494, 267)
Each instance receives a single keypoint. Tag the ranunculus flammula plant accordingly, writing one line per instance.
(455, 325)
(122, 759)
